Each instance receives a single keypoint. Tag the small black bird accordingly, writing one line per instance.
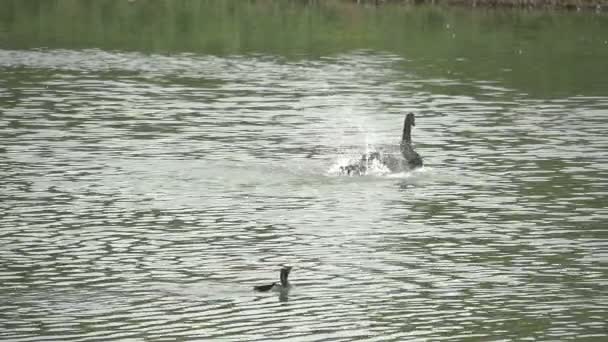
(283, 285)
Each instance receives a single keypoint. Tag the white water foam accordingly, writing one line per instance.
(372, 167)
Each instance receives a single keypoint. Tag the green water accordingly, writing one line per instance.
(546, 54)
(158, 159)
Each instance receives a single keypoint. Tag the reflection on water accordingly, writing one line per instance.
(144, 195)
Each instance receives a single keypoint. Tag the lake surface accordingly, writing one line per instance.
(160, 158)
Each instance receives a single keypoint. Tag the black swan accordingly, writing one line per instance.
(411, 158)
(407, 151)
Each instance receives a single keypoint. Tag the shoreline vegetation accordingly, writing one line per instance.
(572, 5)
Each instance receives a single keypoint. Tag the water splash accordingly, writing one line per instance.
(361, 165)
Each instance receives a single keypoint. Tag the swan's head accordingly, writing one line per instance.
(409, 119)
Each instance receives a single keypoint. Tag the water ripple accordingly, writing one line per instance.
(144, 195)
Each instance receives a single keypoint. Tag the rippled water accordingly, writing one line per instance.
(144, 195)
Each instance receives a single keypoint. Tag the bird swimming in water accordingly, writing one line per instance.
(411, 159)
(407, 151)
(280, 286)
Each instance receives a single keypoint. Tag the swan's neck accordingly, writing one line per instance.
(407, 132)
